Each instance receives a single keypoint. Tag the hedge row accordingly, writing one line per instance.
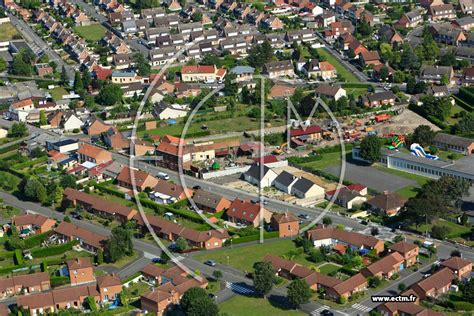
(463, 104)
(241, 240)
(9, 148)
(108, 190)
(161, 209)
(54, 250)
(58, 280)
(30, 163)
(35, 240)
(467, 95)
(356, 85)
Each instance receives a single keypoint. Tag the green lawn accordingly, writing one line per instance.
(408, 192)
(93, 32)
(455, 230)
(329, 159)
(57, 93)
(249, 306)
(243, 257)
(7, 32)
(341, 70)
(327, 268)
(235, 124)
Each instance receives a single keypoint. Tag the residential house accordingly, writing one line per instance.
(24, 284)
(435, 285)
(388, 203)
(389, 34)
(386, 267)
(454, 143)
(330, 92)
(256, 177)
(109, 287)
(247, 213)
(405, 308)
(96, 127)
(369, 58)
(408, 251)
(468, 76)
(166, 111)
(466, 6)
(152, 274)
(286, 224)
(331, 236)
(167, 193)
(140, 180)
(80, 270)
(465, 23)
(210, 202)
(243, 73)
(317, 69)
(307, 189)
(285, 181)
(206, 73)
(43, 69)
(309, 134)
(169, 151)
(280, 91)
(410, 19)
(34, 223)
(447, 34)
(63, 146)
(99, 206)
(283, 68)
(461, 268)
(88, 240)
(442, 11)
(325, 19)
(93, 154)
(346, 197)
(437, 74)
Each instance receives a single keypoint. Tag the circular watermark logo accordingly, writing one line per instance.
(181, 176)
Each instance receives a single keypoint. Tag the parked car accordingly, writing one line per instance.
(303, 216)
(156, 260)
(163, 176)
(210, 263)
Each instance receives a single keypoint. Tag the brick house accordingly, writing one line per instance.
(88, 240)
(287, 224)
(109, 287)
(460, 267)
(210, 202)
(206, 73)
(247, 213)
(283, 68)
(379, 99)
(24, 284)
(435, 285)
(389, 203)
(385, 267)
(407, 250)
(142, 179)
(93, 154)
(80, 270)
(34, 222)
(152, 273)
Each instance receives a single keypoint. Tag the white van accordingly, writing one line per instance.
(163, 176)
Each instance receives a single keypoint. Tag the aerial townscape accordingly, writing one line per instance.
(236, 158)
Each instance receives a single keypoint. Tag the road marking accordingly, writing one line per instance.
(319, 310)
(361, 307)
(238, 288)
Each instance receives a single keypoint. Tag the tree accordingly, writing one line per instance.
(86, 78)
(398, 238)
(146, 4)
(263, 277)
(42, 119)
(374, 231)
(423, 135)
(3, 65)
(67, 219)
(181, 244)
(374, 281)
(78, 85)
(444, 79)
(465, 124)
(203, 306)
(119, 244)
(260, 54)
(196, 16)
(99, 257)
(327, 220)
(35, 190)
(364, 27)
(58, 194)
(68, 181)
(20, 67)
(384, 73)
(123, 299)
(467, 290)
(64, 77)
(18, 130)
(456, 253)
(299, 292)
(230, 85)
(402, 287)
(370, 148)
(440, 232)
(110, 94)
(190, 297)
(142, 65)
(90, 301)
(216, 274)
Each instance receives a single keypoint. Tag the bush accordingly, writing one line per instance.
(54, 250)
(249, 238)
(462, 306)
(18, 257)
(59, 280)
(35, 240)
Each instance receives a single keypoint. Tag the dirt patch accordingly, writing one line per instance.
(405, 123)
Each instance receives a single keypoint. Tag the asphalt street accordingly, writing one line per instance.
(31, 37)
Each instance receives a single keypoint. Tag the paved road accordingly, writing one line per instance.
(31, 37)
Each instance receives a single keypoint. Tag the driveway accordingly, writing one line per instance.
(371, 177)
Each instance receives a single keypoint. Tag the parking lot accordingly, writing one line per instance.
(371, 177)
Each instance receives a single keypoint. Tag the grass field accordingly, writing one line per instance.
(408, 192)
(455, 230)
(7, 32)
(57, 93)
(93, 32)
(327, 268)
(243, 258)
(341, 70)
(249, 306)
(329, 159)
(235, 124)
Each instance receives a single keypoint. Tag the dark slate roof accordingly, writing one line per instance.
(303, 185)
(453, 140)
(285, 178)
(254, 171)
(205, 198)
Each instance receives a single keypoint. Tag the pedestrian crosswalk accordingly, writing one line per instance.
(238, 288)
(362, 308)
(319, 310)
